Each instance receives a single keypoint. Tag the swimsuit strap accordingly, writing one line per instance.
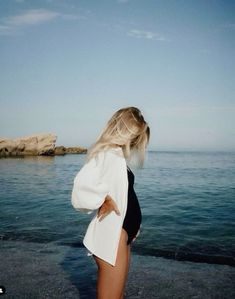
(128, 168)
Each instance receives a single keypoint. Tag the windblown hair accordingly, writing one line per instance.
(128, 129)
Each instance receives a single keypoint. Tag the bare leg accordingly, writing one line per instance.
(127, 266)
(112, 279)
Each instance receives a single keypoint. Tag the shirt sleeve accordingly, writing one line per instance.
(89, 190)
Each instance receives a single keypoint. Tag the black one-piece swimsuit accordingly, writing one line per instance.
(133, 215)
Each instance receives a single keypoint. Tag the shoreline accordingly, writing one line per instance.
(188, 256)
(35, 270)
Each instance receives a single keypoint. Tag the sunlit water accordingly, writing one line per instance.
(187, 201)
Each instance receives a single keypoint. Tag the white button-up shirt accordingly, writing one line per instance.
(104, 174)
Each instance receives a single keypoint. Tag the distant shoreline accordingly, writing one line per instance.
(58, 151)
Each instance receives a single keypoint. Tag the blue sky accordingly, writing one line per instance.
(67, 66)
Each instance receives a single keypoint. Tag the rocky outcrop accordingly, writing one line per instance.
(76, 150)
(35, 145)
(62, 150)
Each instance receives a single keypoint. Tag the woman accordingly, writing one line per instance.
(105, 185)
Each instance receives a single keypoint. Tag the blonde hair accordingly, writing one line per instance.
(128, 129)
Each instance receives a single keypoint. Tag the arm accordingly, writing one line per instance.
(89, 191)
(107, 207)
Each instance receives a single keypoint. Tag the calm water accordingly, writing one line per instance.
(187, 201)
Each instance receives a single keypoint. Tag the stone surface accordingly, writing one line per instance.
(60, 150)
(76, 150)
(35, 145)
(38, 144)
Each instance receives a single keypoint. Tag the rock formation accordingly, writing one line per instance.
(35, 145)
(38, 144)
(62, 150)
(76, 150)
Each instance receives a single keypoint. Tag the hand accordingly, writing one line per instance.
(107, 207)
(136, 236)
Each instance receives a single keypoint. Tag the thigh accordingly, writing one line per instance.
(111, 279)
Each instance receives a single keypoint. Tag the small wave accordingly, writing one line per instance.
(34, 238)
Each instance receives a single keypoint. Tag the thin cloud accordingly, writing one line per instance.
(32, 17)
(146, 35)
(12, 24)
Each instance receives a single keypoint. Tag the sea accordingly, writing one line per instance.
(187, 201)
